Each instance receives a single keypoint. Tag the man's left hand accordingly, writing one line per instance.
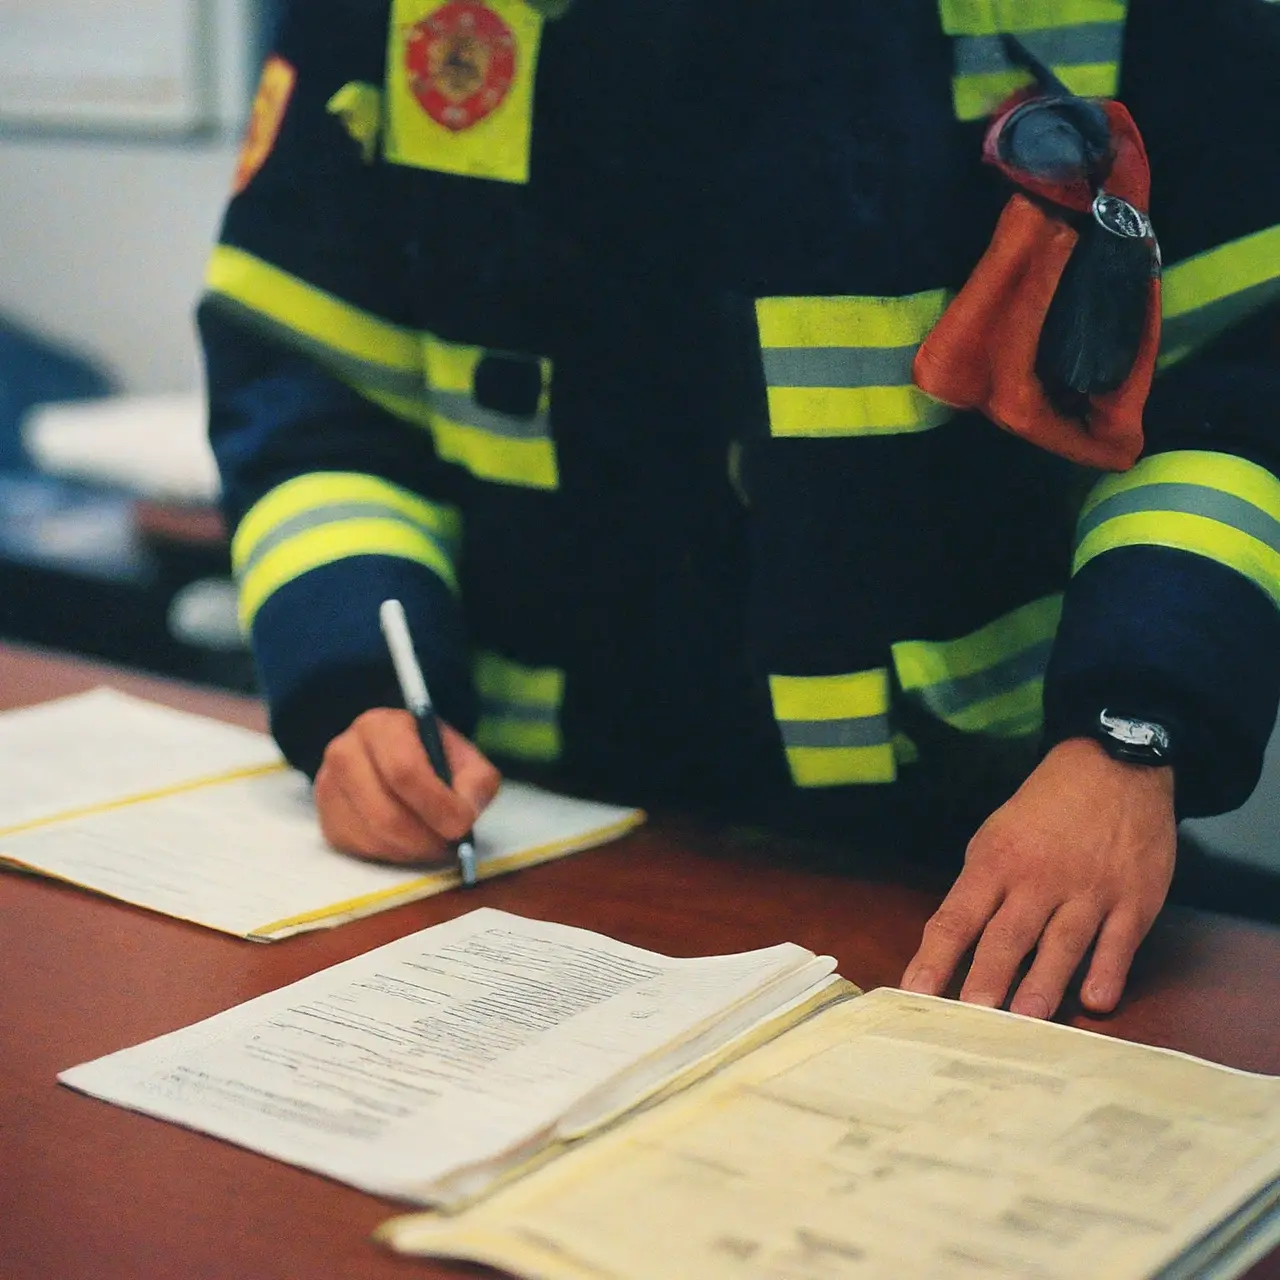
(1083, 853)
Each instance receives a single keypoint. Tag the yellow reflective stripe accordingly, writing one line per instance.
(1080, 40)
(1204, 295)
(495, 147)
(835, 729)
(505, 680)
(530, 463)
(320, 318)
(1221, 471)
(991, 17)
(925, 662)
(1196, 534)
(977, 96)
(816, 412)
(319, 489)
(450, 366)
(1011, 714)
(505, 736)
(841, 366)
(841, 766)
(1213, 505)
(519, 707)
(329, 543)
(857, 694)
(359, 107)
(990, 681)
(323, 517)
(849, 321)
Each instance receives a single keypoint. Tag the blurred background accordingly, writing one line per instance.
(119, 126)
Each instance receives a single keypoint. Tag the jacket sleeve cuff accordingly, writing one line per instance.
(322, 660)
(1171, 637)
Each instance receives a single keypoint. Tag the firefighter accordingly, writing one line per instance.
(847, 418)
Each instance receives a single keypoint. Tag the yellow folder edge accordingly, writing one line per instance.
(338, 912)
(141, 797)
(445, 878)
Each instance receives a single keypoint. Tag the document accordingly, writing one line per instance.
(898, 1135)
(105, 747)
(204, 821)
(448, 1056)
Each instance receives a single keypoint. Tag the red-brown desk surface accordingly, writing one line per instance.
(93, 1192)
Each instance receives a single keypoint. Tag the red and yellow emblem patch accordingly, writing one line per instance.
(269, 105)
(460, 62)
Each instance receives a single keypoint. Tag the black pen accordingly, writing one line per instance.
(413, 688)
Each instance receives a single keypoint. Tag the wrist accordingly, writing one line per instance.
(1087, 754)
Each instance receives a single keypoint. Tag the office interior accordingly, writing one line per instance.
(103, 236)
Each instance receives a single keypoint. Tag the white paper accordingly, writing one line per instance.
(432, 1054)
(246, 855)
(98, 747)
(243, 854)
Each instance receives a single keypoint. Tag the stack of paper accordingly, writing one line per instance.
(204, 821)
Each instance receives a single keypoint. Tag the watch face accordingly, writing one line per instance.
(1142, 737)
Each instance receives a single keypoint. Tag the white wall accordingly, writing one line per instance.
(102, 246)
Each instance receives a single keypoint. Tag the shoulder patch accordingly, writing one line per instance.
(275, 88)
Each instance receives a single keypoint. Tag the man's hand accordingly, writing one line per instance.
(1084, 851)
(378, 796)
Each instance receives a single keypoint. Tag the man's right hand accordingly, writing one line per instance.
(379, 798)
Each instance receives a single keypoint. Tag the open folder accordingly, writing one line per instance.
(202, 820)
(576, 1108)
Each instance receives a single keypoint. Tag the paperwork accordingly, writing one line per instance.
(204, 821)
(430, 1067)
(898, 1135)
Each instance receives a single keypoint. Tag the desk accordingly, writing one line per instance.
(89, 1190)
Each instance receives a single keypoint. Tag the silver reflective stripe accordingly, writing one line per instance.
(948, 697)
(838, 366)
(527, 712)
(862, 731)
(333, 513)
(457, 406)
(380, 377)
(1084, 45)
(1195, 327)
(1186, 499)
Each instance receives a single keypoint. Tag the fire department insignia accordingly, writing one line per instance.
(269, 105)
(461, 61)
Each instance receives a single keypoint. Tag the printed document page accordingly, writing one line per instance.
(100, 747)
(247, 857)
(435, 1053)
(202, 820)
(892, 1136)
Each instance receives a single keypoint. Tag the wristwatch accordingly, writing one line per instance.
(1134, 740)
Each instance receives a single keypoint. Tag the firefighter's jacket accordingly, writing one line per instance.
(600, 361)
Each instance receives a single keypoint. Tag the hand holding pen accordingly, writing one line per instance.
(417, 701)
(379, 796)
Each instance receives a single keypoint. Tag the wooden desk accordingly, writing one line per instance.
(89, 1190)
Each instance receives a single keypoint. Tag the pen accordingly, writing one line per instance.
(413, 688)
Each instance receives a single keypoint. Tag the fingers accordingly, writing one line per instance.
(395, 752)
(950, 932)
(1109, 970)
(474, 777)
(378, 796)
(1006, 941)
(1064, 943)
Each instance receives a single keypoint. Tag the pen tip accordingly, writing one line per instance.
(467, 863)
